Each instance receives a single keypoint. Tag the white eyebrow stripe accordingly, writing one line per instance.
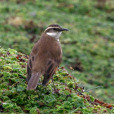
(51, 27)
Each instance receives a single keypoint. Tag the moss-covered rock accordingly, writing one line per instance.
(68, 97)
(87, 47)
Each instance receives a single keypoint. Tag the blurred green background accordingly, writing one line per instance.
(88, 48)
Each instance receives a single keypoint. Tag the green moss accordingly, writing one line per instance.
(88, 46)
(15, 98)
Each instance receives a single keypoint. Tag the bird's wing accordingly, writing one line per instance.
(51, 69)
(32, 77)
(29, 67)
(31, 60)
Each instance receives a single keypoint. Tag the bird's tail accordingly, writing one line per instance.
(33, 81)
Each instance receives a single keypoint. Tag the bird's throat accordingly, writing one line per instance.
(55, 35)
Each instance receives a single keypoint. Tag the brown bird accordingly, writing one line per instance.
(45, 57)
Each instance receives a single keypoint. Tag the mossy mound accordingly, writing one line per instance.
(87, 47)
(14, 98)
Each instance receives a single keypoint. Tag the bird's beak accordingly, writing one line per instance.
(64, 29)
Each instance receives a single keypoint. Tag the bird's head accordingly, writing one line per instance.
(54, 31)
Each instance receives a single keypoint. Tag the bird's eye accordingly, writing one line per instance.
(54, 29)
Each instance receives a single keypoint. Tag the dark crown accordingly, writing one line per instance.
(54, 25)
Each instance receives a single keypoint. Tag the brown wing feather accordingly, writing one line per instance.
(29, 67)
(51, 69)
(49, 73)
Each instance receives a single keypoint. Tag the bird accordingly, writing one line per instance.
(45, 57)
